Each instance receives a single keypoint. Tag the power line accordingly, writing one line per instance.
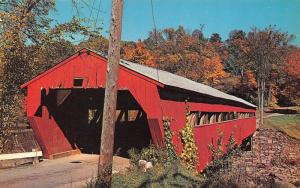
(156, 42)
(75, 7)
(91, 13)
(154, 24)
(153, 18)
(98, 11)
(89, 19)
(92, 7)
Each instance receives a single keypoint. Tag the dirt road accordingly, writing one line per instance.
(73, 171)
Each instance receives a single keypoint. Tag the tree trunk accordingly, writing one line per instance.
(261, 109)
(110, 98)
(258, 93)
(269, 97)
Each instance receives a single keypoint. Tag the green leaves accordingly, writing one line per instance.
(172, 156)
(220, 154)
(189, 154)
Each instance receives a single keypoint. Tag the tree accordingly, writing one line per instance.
(237, 63)
(215, 38)
(29, 45)
(138, 53)
(238, 53)
(18, 21)
(187, 55)
(267, 49)
(289, 80)
(292, 63)
(97, 43)
(154, 39)
(198, 33)
(213, 70)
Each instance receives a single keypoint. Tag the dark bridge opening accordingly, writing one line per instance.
(78, 113)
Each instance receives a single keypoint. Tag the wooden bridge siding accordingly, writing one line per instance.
(93, 69)
(204, 135)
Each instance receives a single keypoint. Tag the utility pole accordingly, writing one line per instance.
(110, 99)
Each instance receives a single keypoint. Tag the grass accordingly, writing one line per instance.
(160, 176)
(289, 124)
(174, 175)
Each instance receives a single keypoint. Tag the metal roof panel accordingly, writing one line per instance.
(170, 79)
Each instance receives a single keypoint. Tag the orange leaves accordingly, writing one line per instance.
(292, 65)
(171, 58)
(192, 57)
(241, 44)
(290, 88)
(181, 53)
(139, 53)
(213, 70)
(251, 78)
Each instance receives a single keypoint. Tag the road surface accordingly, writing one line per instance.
(73, 171)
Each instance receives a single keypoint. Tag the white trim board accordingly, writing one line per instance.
(21, 155)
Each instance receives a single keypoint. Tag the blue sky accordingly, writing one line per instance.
(217, 16)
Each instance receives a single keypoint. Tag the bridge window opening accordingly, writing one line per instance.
(198, 120)
(212, 118)
(128, 115)
(206, 118)
(219, 117)
(225, 116)
(78, 82)
(235, 115)
(91, 115)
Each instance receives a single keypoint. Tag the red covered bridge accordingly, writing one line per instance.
(64, 107)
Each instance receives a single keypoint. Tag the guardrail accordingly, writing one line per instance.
(10, 156)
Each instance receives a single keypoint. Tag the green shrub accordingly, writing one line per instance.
(163, 155)
(173, 175)
(172, 156)
(155, 155)
(150, 154)
(221, 160)
(216, 150)
(189, 154)
(134, 156)
(231, 145)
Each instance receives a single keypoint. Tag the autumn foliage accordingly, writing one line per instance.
(138, 53)
(289, 82)
(292, 64)
(235, 66)
(186, 54)
(213, 69)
